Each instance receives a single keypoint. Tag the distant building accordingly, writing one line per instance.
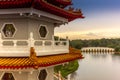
(28, 50)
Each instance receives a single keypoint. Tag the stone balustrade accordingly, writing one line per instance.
(14, 48)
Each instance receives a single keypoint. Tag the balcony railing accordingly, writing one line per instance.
(21, 48)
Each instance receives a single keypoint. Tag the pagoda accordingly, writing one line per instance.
(28, 50)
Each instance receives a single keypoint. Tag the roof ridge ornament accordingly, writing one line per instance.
(77, 10)
(74, 51)
(33, 58)
(71, 9)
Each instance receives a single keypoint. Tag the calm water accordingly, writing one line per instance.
(96, 66)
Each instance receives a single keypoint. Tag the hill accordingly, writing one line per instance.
(112, 43)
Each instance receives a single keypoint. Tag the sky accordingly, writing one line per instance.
(102, 20)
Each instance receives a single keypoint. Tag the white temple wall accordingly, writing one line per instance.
(50, 73)
(25, 26)
(21, 26)
(34, 26)
(33, 75)
(30, 75)
(1, 73)
(20, 76)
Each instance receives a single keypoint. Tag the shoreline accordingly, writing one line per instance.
(117, 53)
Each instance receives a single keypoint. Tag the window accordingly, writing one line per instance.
(43, 31)
(42, 75)
(8, 76)
(8, 30)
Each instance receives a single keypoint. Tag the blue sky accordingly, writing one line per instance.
(102, 20)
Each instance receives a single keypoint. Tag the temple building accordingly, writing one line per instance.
(28, 50)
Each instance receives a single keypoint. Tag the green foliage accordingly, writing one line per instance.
(112, 43)
(57, 38)
(67, 68)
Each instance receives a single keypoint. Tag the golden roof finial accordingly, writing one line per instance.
(71, 9)
(73, 50)
(34, 58)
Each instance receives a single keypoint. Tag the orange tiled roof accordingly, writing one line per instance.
(35, 62)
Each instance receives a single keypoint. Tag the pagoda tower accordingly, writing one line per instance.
(28, 50)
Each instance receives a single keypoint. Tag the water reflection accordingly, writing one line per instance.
(116, 57)
(73, 76)
(98, 56)
(98, 66)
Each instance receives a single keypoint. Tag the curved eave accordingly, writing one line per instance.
(64, 2)
(26, 63)
(57, 11)
(15, 4)
(60, 3)
(40, 5)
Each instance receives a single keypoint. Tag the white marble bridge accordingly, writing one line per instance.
(97, 49)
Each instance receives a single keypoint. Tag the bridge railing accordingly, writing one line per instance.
(97, 49)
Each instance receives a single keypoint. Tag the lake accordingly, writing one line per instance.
(98, 66)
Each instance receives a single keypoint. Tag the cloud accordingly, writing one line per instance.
(89, 35)
(79, 35)
(95, 26)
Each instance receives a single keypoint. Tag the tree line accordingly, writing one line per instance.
(111, 43)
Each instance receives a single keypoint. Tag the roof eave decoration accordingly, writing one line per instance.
(41, 5)
(35, 62)
(60, 3)
(77, 13)
(67, 2)
(70, 15)
(64, 2)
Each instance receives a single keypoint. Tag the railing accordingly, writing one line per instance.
(97, 49)
(21, 48)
